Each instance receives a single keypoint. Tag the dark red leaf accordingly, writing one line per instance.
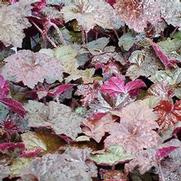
(168, 114)
(111, 2)
(14, 105)
(10, 127)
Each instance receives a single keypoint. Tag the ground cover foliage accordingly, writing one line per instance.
(90, 90)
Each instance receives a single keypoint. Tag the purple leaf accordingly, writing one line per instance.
(116, 85)
(60, 89)
(133, 86)
(31, 153)
(164, 152)
(11, 146)
(4, 87)
(167, 62)
(14, 105)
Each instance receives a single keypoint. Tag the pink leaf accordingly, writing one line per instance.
(10, 127)
(11, 146)
(14, 105)
(4, 87)
(60, 89)
(168, 63)
(96, 116)
(116, 85)
(31, 154)
(164, 152)
(136, 128)
(133, 86)
(38, 6)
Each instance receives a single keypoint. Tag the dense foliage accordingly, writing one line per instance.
(90, 90)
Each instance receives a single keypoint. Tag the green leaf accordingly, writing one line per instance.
(113, 155)
(127, 41)
(3, 112)
(172, 47)
(65, 53)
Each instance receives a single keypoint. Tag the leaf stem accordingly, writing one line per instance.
(161, 175)
(44, 35)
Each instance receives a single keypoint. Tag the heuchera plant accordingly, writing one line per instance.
(90, 90)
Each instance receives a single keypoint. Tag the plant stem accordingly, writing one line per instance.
(44, 35)
(161, 175)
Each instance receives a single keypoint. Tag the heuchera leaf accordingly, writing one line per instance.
(154, 157)
(33, 142)
(31, 154)
(111, 2)
(89, 92)
(143, 160)
(14, 105)
(161, 90)
(111, 156)
(96, 129)
(136, 128)
(11, 30)
(143, 63)
(32, 68)
(168, 114)
(137, 14)
(164, 152)
(71, 166)
(4, 87)
(6, 147)
(116, 85)
(171, 167)
(10, 127)
(57, 116)
(170, 11)
(60, 89)
(167, 62)
(88, 13)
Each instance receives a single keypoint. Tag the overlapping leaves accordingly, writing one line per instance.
(100, 82)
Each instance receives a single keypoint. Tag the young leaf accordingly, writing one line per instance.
(172, 77)
(60, 89)
(116, 85)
